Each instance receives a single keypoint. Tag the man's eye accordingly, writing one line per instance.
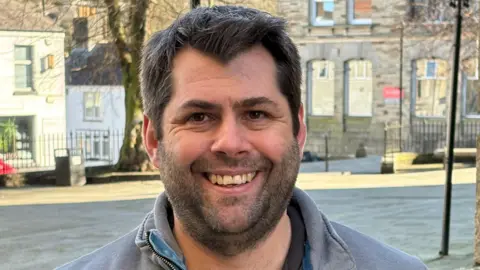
(198, 117)
(254, 115)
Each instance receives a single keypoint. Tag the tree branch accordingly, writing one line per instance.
(139, 24)
(118, 31)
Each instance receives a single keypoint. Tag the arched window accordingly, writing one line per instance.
(358, 88)
(430, 86)
(321, 87)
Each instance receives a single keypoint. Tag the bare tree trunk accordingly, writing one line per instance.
(133, 156)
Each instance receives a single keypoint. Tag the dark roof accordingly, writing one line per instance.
(100, 66)
(16, 15)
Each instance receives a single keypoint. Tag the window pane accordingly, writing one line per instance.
(431, 98)
(97, 98)
(321, 69)
(361, 69)
(106, 146)
(421, 66)
(89, 112)
(96, 112)
(471, 69)
(368, 69)
(362, 9)
(88, 146)
(88, 99)
(23, 76)
(472, 97)
(23, 53)
(360, 89)
(96, 146)
(323, 90)
(352, 69)
(442, 69)
(324, 9)
(431, 69)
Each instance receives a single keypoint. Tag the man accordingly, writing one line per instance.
(224, 124)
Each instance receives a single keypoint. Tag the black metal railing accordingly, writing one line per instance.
(28, 153)
(426, 137)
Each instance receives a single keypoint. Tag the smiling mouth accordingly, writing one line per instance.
(230, 180)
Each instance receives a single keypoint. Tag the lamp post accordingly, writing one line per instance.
(459, 4)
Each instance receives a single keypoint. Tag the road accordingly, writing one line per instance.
(41, 228)
(367, 165)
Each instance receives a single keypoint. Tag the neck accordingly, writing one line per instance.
(268, 254)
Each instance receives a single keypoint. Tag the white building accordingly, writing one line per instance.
(32, 83)
(95, 101)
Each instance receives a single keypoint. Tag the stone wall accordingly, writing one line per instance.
(378, 43)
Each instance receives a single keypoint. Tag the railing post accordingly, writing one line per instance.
(326, 152)
(385, 142)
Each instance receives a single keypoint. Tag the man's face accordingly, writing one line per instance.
(228, 157)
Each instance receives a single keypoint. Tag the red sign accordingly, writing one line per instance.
(390, 92)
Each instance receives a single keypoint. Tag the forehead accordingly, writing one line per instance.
(251, 73)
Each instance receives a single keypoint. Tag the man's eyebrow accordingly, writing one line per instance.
(200, 104)
(255, 101)
(245, 103)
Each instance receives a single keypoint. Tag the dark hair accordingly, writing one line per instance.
(222, 32)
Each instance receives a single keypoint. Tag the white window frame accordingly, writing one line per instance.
(351, 15)
(25, 63)
(96, 146)
(106, 153)
(465, 79)
(414, 82)
(310, 77)
(313, 16)
(347, 76)
(365, 73)
(100, 110)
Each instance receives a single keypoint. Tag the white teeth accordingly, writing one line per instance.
(213, 178)
(237, 179)
(231, 180)
(227, 180)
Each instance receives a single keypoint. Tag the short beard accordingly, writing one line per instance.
(202, 224)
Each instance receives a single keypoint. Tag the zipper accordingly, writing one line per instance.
(162, 258)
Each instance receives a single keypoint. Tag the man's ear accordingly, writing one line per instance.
(302, 131)
(150, 140)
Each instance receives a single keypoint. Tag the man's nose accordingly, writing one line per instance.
(230, 138)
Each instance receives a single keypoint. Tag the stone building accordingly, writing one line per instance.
(352, 52)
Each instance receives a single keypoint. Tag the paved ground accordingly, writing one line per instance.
(367, 165)
(41, 228)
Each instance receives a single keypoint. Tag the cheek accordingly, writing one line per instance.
(187, 148)
(272, 145)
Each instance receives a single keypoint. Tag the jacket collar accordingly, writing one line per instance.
(324, 248)
(327, 250)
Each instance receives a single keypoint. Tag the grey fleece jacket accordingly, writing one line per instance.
(329, 246)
